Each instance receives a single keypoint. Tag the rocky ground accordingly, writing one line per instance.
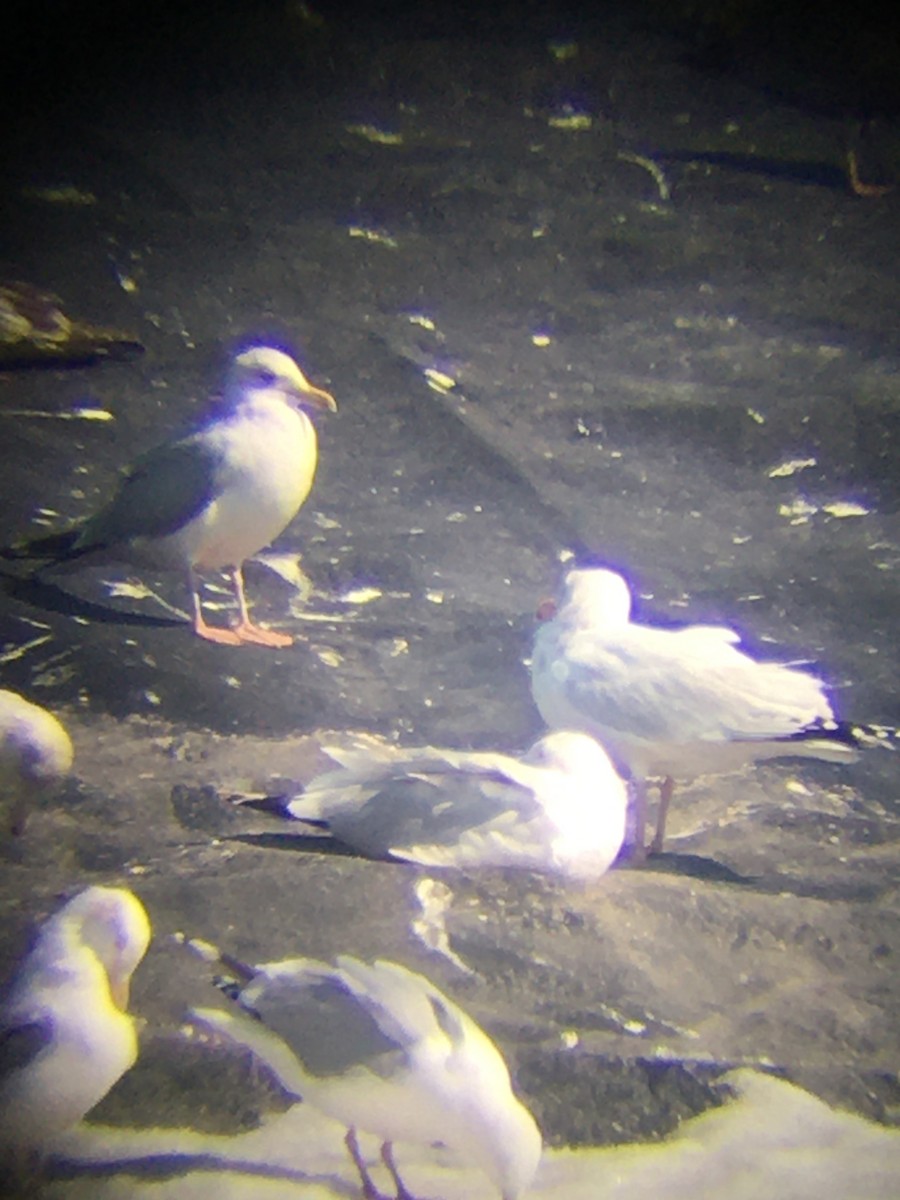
(569, 291)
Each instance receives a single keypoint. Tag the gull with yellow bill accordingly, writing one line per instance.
(211, 499)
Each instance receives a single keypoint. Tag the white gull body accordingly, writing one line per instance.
(380, 1049)
(670, 703)
(65, 1033)
(35, 754)
(560, 809)
(211, 499)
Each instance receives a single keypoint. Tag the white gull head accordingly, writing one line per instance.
(599, 592)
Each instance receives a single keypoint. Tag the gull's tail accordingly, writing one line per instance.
(49, 547)
(294, 806)
(235, 972)
(839, 741)
(52, 551)
(237, 1026)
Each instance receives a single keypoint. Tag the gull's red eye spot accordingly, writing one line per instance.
(546, 610)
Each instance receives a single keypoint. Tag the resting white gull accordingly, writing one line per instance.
(35, 754)
(560, 809)
(65, 1033)
(380, 1049)
(670, 703)
(212, 498)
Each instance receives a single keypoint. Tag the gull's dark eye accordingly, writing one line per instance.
(265, 377)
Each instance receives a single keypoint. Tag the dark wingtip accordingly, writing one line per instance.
(841, 732)
(48, 547)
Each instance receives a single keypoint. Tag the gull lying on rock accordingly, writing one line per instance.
(214, 497)
(560, 809)
(383, 1051)
(65, 1033)
(35, 753)
(671, 702)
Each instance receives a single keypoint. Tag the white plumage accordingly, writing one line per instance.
(560, 809)
(35, 753)
(214, 497)
(382, 1050)
(65, 1033)
(671, 702)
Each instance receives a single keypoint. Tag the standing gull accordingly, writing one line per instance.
(35, 753)
(212, 498)
(671, 702)
(380, 1049)
(560, 809)
(65, 1033)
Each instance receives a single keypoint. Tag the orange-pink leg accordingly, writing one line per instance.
(245, 629)
(212, 633)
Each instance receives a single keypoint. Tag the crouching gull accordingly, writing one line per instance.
(212, 498)
(65, 1033)
(35, 753)
(381, 1050)
(560, 809)
(671, 702)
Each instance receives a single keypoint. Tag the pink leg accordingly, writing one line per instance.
(245, 630)
(370, 1191)
(667, 787)
(212, 633)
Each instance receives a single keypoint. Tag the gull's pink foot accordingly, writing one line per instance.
(215, 633)
(257, 636)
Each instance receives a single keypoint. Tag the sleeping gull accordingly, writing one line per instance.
(381, 1050)
(671, 702)
(35, 753)
(214, 497)
(560, 809)
(65, 1033)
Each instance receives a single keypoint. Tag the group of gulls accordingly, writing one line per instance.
(377, 1046)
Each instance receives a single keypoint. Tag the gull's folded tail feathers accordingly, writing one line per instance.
(49, 547)
(240, 972)
(840, 741)
(278, 805)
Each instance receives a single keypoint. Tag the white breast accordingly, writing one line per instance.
(268, 464)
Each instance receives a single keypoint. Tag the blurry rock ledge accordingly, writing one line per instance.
(34, 332)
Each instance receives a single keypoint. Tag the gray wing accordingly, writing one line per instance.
(21, 1044)
(687, 685)
(355, 1016)
(163, 491)
(311, 1007)
(407, 1006)
(415, 808)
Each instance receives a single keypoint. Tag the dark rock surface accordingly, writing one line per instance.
(703, 388)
